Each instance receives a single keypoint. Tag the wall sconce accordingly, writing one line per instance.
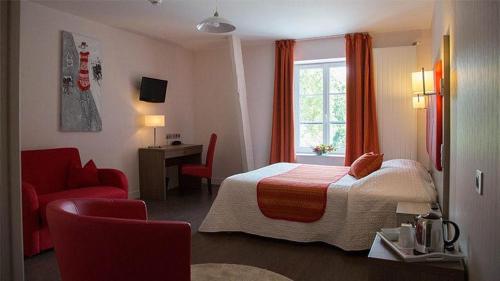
(422, 84)
(154, 121)
(419, 102)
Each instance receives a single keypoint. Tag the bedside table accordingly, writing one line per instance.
(407, 211)
(386, 265)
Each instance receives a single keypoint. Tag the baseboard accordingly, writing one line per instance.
(134, 194)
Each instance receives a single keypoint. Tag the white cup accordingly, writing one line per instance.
(406, 236)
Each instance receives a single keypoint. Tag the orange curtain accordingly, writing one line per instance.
(361, 122)
(282, 141)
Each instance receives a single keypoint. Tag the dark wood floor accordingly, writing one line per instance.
(298, 261)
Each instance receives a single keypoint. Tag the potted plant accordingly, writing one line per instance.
(323, 148)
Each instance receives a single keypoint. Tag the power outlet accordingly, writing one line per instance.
(173, 136)
(479, 182)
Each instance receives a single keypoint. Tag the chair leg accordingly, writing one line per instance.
(209, 182)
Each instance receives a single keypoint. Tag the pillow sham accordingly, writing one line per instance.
(83, 177)
(366, 164)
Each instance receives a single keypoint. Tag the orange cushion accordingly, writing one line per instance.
(366, 164)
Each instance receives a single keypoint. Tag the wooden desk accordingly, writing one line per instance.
(153, 163)
(386, 265)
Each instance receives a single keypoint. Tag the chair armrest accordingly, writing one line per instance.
(114, 178)
(29, 198)
(31, 219)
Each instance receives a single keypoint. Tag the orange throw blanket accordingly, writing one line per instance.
(299, 194)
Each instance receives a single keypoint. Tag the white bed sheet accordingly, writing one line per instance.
(355, 209)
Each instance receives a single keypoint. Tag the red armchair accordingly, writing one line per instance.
(203, 171)
(103, 239)
(44, 179)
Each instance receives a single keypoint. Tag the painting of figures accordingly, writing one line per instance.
(81, 83)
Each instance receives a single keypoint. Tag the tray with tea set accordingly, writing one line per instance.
(391, 237)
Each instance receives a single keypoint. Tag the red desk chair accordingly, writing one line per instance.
(111, 239)
(203, 171)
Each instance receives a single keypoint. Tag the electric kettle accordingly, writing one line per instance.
(429, 234)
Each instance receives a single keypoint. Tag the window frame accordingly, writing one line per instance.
(325, 65)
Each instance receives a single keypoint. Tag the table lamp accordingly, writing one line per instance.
(154, 121)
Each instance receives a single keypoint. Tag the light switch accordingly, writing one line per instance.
(479, 182)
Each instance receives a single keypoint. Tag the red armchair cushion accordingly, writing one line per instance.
(83, 177)
(84, 192)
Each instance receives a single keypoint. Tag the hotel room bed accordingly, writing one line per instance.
(355, 209)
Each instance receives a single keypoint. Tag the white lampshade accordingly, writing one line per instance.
(154, 121)
(215, 24)
(417, 82)
(419, 102)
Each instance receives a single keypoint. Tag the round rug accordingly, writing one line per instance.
(232, 272)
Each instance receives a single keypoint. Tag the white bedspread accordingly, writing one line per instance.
(355, 209)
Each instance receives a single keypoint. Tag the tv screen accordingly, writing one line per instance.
(153, 90)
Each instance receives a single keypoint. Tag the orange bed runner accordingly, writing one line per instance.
(299, 194)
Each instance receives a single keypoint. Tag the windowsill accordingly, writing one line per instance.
(304, 154)
(328, 159)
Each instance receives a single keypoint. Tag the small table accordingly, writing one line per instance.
(407, 211)
(386, 265)
(152, 172)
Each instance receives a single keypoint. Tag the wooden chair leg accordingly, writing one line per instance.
(209, 181)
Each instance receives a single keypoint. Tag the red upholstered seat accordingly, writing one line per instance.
(105, 240)
(44, 179)
(203, 171)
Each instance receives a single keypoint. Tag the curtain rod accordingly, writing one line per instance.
(320, 37)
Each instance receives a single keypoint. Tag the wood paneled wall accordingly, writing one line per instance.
(397, 120)
(475, 129)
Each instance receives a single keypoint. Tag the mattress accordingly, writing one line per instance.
(355, 209)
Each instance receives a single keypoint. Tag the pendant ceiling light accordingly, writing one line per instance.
(215, 24)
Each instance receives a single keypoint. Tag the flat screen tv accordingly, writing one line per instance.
(153, 90)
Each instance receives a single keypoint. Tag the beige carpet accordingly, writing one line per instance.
(232, 272)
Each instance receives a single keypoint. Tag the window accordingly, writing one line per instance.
(320, 105)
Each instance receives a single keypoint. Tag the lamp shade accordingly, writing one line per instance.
(419, 102)
(154, 120)
(215, 24)
(417, 82)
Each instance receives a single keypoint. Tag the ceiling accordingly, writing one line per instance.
(255, 20)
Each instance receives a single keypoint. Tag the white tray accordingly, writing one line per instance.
(408, 255)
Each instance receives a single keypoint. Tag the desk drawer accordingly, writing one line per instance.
(183, 151)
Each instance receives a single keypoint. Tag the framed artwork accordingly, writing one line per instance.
(81, 82)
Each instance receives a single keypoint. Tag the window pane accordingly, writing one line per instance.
(337, 79)
(337, 137)
(311, 108)
(311, 81)
(311, 134)
(337, 108)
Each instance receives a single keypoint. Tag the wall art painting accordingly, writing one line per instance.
(81, 83)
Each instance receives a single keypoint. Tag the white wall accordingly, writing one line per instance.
(240, 89)
(259, 74)
(397, 120)
(258, 62)
(216, 109)
(475, 127)
(126, 57)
